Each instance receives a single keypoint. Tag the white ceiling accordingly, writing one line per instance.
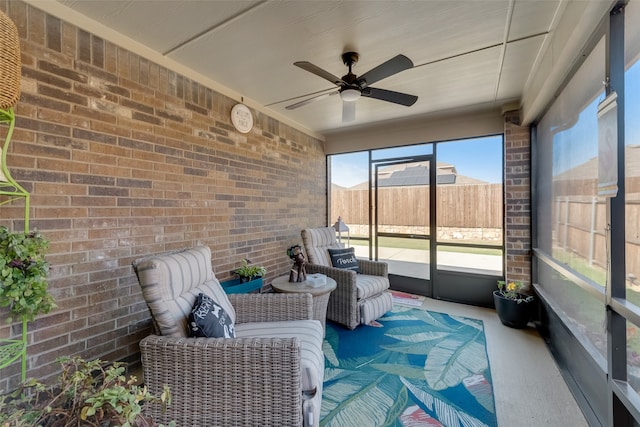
(465, 53)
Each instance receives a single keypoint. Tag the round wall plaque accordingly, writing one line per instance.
(242, 118)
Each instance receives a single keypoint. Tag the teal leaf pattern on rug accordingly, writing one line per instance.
(454, 359)
(420, 369)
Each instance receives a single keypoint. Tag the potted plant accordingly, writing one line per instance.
(249, 279)
(23, 287)
(23, 274)
(514, 308)
(248, 272)
(92, 393)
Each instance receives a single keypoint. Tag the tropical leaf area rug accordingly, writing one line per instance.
(420, 368)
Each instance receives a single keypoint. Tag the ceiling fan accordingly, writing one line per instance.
(351, 87)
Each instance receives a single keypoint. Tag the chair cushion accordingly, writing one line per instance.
(375, 307)
(310, 334)
(368, 286)
(171, 282)
(344, 258)
(316, 243)
(209, 320)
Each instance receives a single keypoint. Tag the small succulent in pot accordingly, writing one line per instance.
(248, 272)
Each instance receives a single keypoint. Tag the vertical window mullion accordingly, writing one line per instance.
(617, 324)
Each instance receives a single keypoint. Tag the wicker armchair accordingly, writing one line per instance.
(269, 375)
(359, 298)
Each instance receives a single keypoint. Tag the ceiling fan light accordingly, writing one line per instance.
(350, 95)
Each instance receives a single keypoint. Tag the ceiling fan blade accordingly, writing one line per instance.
(390, 96)
(348, 111)
(308, 66)
(386, 69)
(310, 100)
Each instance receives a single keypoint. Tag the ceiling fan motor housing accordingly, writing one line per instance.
(350, 59)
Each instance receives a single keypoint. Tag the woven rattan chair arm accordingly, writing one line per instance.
(373, 268)
(224, 382)
(342, 307)
(271, 307)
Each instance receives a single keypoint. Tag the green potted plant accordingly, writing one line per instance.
(23, 288)
(514, 308)
(23, 274)
(248, 272)
(92, 393)
(249, 279)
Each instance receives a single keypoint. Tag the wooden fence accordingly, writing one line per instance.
(458, 206)
(579, 229)
(577, 222)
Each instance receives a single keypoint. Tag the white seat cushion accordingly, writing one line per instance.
(370, 285)
(375, 307)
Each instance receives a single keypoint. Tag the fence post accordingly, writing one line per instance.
(592, 232)
(557, 223)
(566, 223)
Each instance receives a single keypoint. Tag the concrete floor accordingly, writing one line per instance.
(528, 388)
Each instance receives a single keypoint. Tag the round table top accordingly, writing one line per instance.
(282, 284)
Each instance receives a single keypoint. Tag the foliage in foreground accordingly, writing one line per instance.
(88, 393)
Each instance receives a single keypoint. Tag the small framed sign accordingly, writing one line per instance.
(608, 146)
(242, 118)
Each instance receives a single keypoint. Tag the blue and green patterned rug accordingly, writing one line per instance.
(420, 368)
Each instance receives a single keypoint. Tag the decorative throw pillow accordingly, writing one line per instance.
(208, 319)
(344, 258)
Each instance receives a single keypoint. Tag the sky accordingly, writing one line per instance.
(479, 158)
(579, 143)
(632, 105)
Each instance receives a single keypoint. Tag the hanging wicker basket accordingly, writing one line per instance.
(9, 63)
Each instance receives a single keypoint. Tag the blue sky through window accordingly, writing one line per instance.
(479, 158)
(632, 106)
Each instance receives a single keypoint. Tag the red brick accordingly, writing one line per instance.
(105, 160)
(68, 40)
(517, 200)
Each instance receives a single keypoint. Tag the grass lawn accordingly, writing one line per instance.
(422, 244)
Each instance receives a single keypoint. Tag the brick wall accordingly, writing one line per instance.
(517, 202)
(124, 158)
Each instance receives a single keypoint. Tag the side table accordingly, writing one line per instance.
(320, 294)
